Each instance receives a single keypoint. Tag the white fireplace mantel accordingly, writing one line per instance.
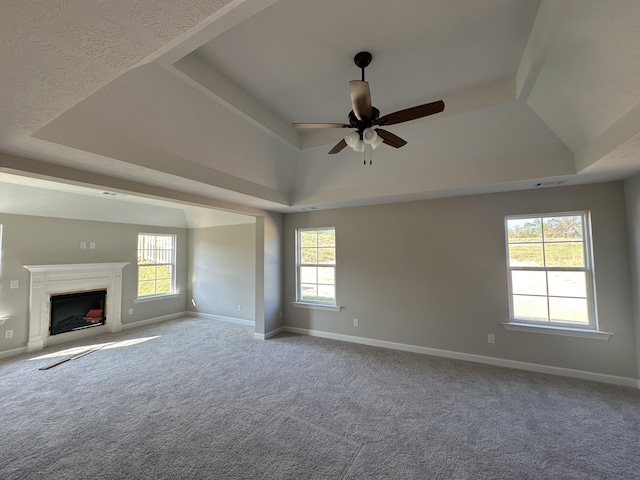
(47, 280)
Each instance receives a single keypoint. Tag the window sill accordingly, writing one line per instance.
(317, 306)
(556, 330)
(152, 298)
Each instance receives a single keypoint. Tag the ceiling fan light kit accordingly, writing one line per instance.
(352, 139)
(370, 137)
(364, 117)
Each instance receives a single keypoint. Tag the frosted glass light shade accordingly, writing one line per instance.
(352, 139)
(369, 135)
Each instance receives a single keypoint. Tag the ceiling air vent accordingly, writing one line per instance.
(551, 183)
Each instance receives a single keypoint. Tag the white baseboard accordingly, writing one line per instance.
(148, 321)
(238, 321)
(272, 333)
(12, 352)
(498, 362)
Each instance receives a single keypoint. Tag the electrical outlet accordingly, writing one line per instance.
(355, 322)
(131, 311)
(491, 338)
(8, 334)
(83, 245)
(239, 307)
(92, 245)
(15, 283)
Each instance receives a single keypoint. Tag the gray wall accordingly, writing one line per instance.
(30, 240)
(272, 272)
(269, 273)
(632, 195)
(433, 274)
(222, 264)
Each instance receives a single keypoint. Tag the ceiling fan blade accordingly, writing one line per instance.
(360, 98)
(339, 146)
(320, 125)
(411, 113)
(391, 138)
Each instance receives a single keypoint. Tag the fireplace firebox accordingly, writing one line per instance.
(77, 310)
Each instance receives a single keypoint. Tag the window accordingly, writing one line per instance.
(156, 264)
(316, 261)
(551, 270)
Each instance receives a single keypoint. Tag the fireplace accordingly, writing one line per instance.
(77, 311)
(48, 282)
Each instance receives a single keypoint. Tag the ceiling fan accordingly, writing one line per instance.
(366, 118)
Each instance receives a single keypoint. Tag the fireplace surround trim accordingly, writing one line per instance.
(58, 279)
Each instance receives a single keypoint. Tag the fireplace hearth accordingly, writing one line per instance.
(77, 310)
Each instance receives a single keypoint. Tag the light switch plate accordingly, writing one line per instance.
(15, 283)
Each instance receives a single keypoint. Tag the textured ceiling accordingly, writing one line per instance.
(192, 100)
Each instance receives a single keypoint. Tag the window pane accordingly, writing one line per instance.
(308, 239)
(524, 230)
(326, 293)
(567, 284)
(563, 229)
(326, 238)
(526, 255)
(530, 307)
(146, 256)
(573, 310)
(308, 292)
(163, 286)
(326, 275)
(529, 283)
(309, 255)
(163, 271)
(146, 288)
(147, 273)
(327, 256)
(308, 275)
(564, 254)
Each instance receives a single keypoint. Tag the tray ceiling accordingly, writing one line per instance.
(196, 100)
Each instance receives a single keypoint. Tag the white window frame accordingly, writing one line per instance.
(171, 263)
(556, 327)
(315, 304)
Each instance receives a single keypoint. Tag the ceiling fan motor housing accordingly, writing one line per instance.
(360, 125)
